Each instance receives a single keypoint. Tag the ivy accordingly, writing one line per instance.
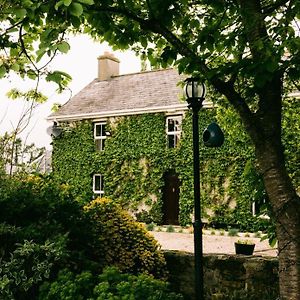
(136, 157)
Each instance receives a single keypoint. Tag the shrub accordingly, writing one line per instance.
(170, 228)
(114, 285)
(68, 286)
(110, 285)
(150, 227)
(42, 229)
(125, 243)
(29, 264)
(233, 232)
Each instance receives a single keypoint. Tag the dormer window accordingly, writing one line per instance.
(173, 129)
(99, 135)
(98, 184)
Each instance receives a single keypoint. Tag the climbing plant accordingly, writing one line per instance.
(136, 157)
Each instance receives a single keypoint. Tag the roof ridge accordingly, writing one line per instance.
(144, 72)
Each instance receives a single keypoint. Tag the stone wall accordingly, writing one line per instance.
(225, 276)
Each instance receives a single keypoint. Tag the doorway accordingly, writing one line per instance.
(170, 198)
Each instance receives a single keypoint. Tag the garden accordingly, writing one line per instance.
(54, 248)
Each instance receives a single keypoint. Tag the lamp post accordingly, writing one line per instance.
(195, 94)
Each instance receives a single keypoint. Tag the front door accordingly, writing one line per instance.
(171, 198)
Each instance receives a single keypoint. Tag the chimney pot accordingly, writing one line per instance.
(108, 66)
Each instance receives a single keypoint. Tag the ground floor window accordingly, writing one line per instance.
(98, 184)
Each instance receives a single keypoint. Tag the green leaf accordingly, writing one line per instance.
(20, 12)
(67, 2)
(31, 74)
(2, 71)
(15, 67)
(58, 4)
(76, 9)
(88, 2)
(63, 47)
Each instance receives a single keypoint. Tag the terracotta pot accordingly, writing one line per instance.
(246, 249)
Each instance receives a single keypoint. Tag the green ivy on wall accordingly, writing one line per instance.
(136, 157)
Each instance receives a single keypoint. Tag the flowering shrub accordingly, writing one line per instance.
(125, 243)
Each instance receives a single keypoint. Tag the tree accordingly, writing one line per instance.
(248, 51)
(16, 155)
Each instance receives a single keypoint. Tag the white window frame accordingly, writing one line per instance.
(99, 192)
(175, 133)
(100, 138)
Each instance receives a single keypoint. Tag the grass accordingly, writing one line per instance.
(233, 232)
(170, 228)
(150, 226)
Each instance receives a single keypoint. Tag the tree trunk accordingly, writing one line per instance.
(286, 208)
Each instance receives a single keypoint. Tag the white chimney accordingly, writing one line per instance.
(108, 66)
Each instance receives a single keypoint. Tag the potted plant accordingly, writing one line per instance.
(245, 247)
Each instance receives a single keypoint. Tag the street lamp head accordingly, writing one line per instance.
(194, 89)
(55, 130)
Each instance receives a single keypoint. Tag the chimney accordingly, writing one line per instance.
(108, 66)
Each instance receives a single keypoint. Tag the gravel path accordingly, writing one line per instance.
(211, 243)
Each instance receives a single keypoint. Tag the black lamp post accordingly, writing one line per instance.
(195, 94)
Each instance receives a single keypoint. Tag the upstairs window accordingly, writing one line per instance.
(173, 129)
(98, 184)
(100, 135)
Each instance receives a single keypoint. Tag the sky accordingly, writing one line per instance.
(81, 63)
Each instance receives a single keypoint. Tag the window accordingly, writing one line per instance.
(100, 135)
(98, 184)
(258, 207)
(173, 130)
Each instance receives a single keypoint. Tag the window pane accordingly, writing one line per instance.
(177, 125)
(98, 144)
(102, 184)
(97, 183)
(171, 125)
(176, 139)
(98, 130)
(171, 141)
(103, 130)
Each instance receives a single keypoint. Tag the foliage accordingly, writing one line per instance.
(68, 285)
(115, 285)
(111, 284)
(42, 229)
(125, 243)
(28, 265)
(136, 155)
(244, 49)
(246, 295)
(16, 156)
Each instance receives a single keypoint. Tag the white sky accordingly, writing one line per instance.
(81, 63)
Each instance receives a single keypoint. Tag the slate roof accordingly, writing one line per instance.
(148, 91)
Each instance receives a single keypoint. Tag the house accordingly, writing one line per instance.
(129, 137)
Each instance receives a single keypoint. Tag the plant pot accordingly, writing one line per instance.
(246, 249)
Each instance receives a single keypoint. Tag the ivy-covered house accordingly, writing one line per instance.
(129, 138)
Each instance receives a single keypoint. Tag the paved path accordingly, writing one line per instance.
(211, 243)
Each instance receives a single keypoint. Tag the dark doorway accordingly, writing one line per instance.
(171, 198)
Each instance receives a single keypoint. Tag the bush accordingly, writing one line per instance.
(68, 286)
(42, 229)
(110, 285)
(114, 285)
(125, 243)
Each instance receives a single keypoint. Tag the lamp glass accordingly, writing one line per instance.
(56, 130)
(194, 89)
